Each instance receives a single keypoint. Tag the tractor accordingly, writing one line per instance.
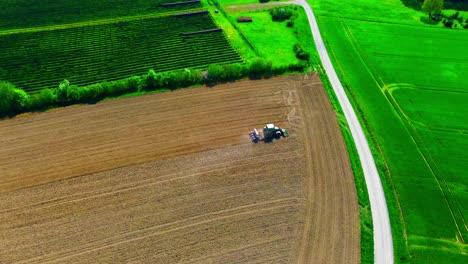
(270, 132)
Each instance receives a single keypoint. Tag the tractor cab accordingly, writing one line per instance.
(270, 132)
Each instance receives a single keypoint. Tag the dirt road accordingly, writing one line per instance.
(174, 178)
(383, 242)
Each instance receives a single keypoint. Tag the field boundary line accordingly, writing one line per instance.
(383, 242)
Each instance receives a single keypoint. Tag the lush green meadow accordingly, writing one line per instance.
(35, 13)
(271, 40)
(277, 47)
(408, 82)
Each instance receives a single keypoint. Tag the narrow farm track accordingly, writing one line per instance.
(174, 178)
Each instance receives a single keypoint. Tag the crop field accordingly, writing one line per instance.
(36, 13)
(408, 81)
(173, 178)
(111, 51)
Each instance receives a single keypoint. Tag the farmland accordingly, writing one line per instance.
(406, 80)
(35, 13)
(112, 51)
(107, 49)
(173, 177)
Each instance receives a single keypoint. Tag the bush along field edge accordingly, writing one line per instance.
(15, 101)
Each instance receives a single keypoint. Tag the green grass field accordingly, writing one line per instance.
(408, 82)
(110, 49)
(34, 13)
(277, 47)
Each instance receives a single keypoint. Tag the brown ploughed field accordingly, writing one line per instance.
(174, 178)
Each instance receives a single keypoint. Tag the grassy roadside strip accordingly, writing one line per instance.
(365, 215)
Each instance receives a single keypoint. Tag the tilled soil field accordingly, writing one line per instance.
(174, 178)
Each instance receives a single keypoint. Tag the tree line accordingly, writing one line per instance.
(14, 100)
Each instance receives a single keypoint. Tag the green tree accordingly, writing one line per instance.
(12, 100)
(62, 91)
(432, 7)
(281, 13)
(259, 67)
(151, 80)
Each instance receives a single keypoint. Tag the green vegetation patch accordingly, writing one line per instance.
(407, 81)
(112, 51)
(275, 40)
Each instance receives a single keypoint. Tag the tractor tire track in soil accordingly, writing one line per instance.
(174, 178)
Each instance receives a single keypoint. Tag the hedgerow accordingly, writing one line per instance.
(14, 100)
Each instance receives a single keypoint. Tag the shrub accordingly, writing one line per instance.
(190, 77)
(151, 80)
(304, 55)
(172, 79)
(215, 73)
(297, 67)
(196, 76)
(279, 69)
(67, 93)
(12, 100)
(42, 100)
(114, 88)
(437, 17)
(259, 67)
(133, 84)
(301, 53)
(290, 23)
(448, 23)
(62, 91)
(91, 93)
(73, 94)
(281, 13)
(169, 79)
(454, 16)
(232, 71)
